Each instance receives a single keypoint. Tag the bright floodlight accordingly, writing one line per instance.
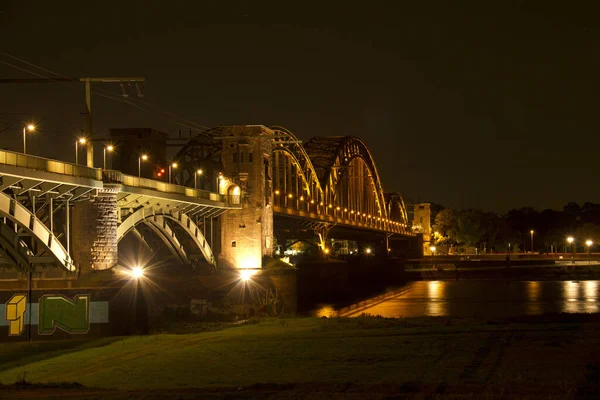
(199, 172)
(82, 140)
(31, 127)
(246, 274)
(110, 148)
(368, 250)
(137, 272)
(570, 239)
(174, 165)
(589, 242)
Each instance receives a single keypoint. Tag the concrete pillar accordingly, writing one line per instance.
(247, 234)
(95, 232)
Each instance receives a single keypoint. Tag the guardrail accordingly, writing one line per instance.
(48, 165)
(112, 176)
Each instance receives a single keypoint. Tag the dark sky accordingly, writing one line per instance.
(482, 104)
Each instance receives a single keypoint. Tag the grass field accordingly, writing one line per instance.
(363, 357)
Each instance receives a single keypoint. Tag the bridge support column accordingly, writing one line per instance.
(247, 234)
(95, 232)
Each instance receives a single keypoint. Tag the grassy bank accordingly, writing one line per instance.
(358, 358)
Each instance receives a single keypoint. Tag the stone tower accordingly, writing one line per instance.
(247, 234)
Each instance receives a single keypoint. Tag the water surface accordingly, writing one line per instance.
(472, 298)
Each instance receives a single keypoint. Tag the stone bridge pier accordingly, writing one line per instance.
(95, 234)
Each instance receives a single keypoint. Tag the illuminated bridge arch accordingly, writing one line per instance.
(15, 249)
(157, 221)
(335, 178)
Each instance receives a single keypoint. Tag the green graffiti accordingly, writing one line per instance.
(58, 311)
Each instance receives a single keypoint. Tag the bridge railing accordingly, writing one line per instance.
(48, 165)
(112, 176)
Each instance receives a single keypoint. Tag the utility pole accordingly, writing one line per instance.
(88, 99)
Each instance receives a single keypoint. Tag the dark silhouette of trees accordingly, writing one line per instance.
(491, 232)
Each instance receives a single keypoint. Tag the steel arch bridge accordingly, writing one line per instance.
(331, 179)
(334, 179)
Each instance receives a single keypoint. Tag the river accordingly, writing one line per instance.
(474, 298)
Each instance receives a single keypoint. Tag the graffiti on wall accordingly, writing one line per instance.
(71, 315)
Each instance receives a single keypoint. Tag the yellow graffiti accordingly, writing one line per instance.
(15, 314)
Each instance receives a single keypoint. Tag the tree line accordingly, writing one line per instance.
(455, 230)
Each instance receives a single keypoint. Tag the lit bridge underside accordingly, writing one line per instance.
(35, 230)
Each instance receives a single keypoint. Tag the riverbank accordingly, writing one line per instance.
(554, 272)
(367, 357)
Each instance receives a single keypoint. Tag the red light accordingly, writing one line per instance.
(159, 174)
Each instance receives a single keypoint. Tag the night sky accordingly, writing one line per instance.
(463, 104)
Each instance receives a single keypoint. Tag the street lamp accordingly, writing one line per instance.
(432, 248)
(140, 158)
(589, 244)
(198, 172)
(30, 128)
(108, 148)
(219, 178)
(174, 166)
(531, 232)
(570, 240)
(77, 143)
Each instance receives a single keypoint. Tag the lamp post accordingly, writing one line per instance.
(30, 128)
(140, 158)
(589, 244)
(77, 143)
(108, 148)
(171, 166)
(198, 172)
(531, 232)
(571, 240)
(219, 181)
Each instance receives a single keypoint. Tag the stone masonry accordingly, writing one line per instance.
(95, 239)
(247, 234)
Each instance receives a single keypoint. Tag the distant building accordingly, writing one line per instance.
(131, 143)
(421, 223)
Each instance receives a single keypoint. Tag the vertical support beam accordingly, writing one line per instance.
(68, 212)
(52, 214)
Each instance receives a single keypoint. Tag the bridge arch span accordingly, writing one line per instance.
(24, 218)
(157, 222)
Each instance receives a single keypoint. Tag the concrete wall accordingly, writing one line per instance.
(247, 234)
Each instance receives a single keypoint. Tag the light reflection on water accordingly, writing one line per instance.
(470, 298)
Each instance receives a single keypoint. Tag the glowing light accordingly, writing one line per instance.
(326, 251)
(368, 250)
(321, 203)
(277, 192)
(137, 272)
(432, 248)
(290, 196)
(589, 242)
(330, 206)
(199, 172)
(312, 202)
(352, 212)
(162, 170)
(144, 157)
(338, 208)
(174, 165)
(301, 198)
(31, 127)
(531, 231)
(570, 239)
(82, 140)
(345, 210)
(247, 274)
(110, 147)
